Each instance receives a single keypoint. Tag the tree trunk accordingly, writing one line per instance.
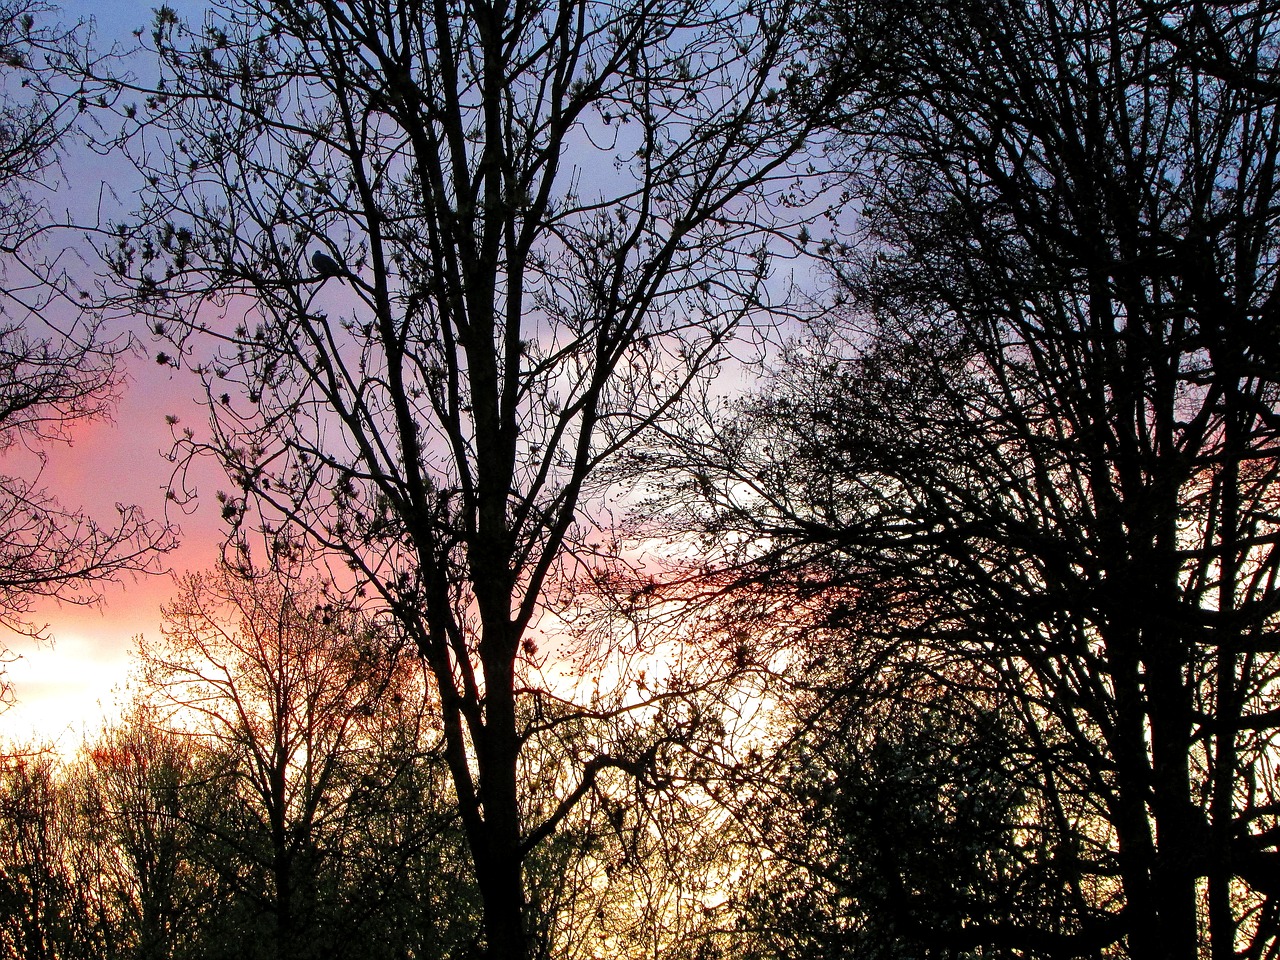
(498, 861)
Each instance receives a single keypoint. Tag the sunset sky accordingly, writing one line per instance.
(61, 689)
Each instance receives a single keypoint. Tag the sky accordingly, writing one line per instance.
(65, 689)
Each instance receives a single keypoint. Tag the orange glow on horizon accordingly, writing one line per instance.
(62, 691)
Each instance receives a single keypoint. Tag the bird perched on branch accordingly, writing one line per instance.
(327, 267)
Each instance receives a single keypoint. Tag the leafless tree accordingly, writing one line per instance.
(130, 798)
(1042, 436)
(44, 914)
(278, 681)
(553, 218)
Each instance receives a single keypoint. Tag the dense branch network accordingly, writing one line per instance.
(547, 219)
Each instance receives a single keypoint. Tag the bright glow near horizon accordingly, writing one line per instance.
(63, 690)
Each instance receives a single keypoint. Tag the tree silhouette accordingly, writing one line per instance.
(281, 682)
(44, 912)
(555, 216)
(130, 797)
(1041, 434)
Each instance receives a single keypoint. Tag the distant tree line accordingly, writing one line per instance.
(280, 810)
(276, 790)
(952, 636)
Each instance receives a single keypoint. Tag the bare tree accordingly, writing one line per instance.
(49, 385)
(45, 912)
(279, 681)
(34, 119)
(548, 220)
(1044, 436)
(130, 795)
